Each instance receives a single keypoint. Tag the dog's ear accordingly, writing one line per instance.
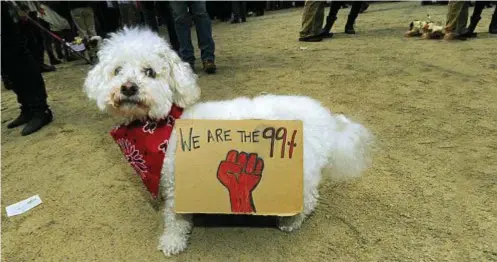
(184, 81)
(93, 83)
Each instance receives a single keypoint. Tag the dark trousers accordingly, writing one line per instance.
(184, 14)
(21, 66)
(107, 18)
(257, 7)
(337, 5)
(34, 37)
(239, 9)
(166, 13)
(149, 15)
(219, 9)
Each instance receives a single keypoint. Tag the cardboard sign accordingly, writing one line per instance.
(239, 167)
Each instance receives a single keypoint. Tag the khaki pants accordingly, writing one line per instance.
(85, 22)
(457, 17)
(312, 18)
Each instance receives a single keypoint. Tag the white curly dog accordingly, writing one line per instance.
(138, 57)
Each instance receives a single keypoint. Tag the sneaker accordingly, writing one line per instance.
(209, 66)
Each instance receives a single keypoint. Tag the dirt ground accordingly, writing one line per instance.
(430, 196)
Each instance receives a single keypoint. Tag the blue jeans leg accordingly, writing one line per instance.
(204, 30)
(182, 24)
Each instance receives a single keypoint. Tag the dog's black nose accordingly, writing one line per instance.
(129, 89)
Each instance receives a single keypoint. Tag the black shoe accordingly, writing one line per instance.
(314, 38)
(7, 84)
(325, 34)
(22, 119)
(39, 120)
(47, 68)
(349, 29)
(55, 62)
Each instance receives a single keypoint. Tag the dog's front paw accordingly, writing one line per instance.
(290, 224)
(172, 244)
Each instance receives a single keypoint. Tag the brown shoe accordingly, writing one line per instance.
(209, 67)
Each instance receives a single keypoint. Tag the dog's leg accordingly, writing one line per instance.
(311, 195)
(177, 229)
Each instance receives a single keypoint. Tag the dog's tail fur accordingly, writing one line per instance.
(350, 149)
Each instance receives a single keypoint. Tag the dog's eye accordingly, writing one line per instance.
(117, 70)
(149, 72)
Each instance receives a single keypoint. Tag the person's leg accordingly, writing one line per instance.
(453, 16)
(475, 18)
(463, 19)
(235, 9)
(243, 11)
(492, 28)
(50, 52)
(149, 14)
(166, 13)
(24, 72)
(129, 14)
(260, 7)
(331, 18)
(312, 21)
(36, 44)
(79, 21)
(182, 24)
(204, 35)
(123, 12)
(58, 46)
(90, 22)
(354, 12)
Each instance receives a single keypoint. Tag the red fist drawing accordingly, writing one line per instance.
(240, 173)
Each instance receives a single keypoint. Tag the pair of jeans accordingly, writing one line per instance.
(183, 23)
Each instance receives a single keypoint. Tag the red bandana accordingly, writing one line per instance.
(144, 145)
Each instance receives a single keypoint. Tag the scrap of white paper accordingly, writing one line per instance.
(23, 206)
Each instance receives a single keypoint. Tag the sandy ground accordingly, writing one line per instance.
(431, 195)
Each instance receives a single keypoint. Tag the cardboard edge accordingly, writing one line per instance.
(243, 214)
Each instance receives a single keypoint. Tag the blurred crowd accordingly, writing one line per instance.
(32, 28)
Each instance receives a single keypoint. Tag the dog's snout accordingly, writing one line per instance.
(129, 89)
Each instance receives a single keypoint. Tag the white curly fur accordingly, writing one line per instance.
(333, 144)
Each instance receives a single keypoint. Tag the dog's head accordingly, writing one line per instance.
(139, 76)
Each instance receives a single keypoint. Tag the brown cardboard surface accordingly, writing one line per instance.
(214, 155)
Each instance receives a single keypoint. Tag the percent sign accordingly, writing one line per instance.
(280, 134)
